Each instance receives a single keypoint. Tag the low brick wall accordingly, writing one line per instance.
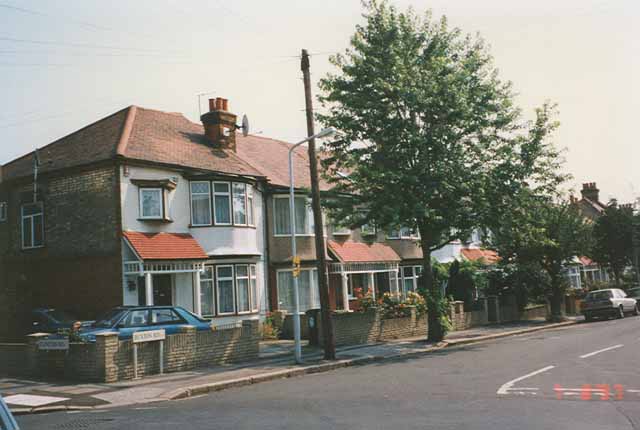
(111, 360)
(13, 358)
(354, 328)
(461, 320)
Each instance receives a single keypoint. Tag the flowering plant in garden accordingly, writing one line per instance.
(365, 301)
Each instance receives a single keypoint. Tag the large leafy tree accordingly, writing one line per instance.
(613, 238)
(547, 235)
(425, 125)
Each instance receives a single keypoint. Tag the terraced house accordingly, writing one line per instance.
(147, 207)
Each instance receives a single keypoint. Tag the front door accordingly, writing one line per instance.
(162, 290)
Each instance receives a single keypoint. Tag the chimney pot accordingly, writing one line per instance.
(225, 105)
(212, 105)
(219, 103)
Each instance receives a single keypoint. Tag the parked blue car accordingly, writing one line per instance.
(46, 320)
(127, 320)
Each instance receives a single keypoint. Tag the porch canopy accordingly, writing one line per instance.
(359, 257)
(164, 253)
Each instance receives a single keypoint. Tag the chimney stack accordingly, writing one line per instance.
(590, 192)
(220, 124)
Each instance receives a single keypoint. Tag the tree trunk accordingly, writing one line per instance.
(435, 331)
(616, 276)
(557, 296)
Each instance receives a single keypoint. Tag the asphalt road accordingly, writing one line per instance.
(582, 377)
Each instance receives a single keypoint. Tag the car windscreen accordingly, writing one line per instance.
(61, 316)
(109, 319)
(599, 295)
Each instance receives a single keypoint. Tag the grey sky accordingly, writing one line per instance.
(95, 57)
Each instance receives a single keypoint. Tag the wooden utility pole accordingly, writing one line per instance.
(323, 284)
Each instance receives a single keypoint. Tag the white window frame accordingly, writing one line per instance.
(233, 200)
(141, 191)
(211, 270)
(414, 277)
(31, 218)
(251, 220)
(248, 278)
(229, 199)
(3, 211)
(253, 288)
(313, 280)
(308, 217)
(191, 194)
(401, 235)
(233, 288)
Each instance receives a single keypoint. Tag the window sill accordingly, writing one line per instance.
(235, 314)
(297, 235)
(159, 220)
(32, 247)
(253, 227)
(342, 233)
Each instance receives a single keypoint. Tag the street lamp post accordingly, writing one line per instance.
(292, 222)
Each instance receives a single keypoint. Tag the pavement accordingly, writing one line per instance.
(518, 382)
(27, 396)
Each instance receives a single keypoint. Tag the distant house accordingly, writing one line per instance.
(582, 271)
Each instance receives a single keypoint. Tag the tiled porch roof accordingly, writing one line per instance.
(357, 252)
(474, 254)
(165, 246)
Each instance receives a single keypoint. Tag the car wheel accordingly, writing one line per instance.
(588, 317)
(636, 311)
(620, 312)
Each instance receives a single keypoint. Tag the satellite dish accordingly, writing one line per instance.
(245, 125)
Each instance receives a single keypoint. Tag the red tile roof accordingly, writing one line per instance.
(486, 255)
(165, 246)
(357, 252)
(585, 261)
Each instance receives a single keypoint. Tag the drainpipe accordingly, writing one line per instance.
(345, 291)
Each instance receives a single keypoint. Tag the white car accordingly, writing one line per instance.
(610, 302)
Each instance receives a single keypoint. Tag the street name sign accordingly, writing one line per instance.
(54, 344)
(148, 336)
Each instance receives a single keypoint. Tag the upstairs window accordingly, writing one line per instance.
(32, 225)
(303, 216)
(250, 214)
(239, 203)
(3, 211)
(403, 233)
(200, 203)
(151, 203)
(222, 202)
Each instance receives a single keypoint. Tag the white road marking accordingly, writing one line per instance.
(32, 400)
(504, 389)
(591, 354)
(633, 391)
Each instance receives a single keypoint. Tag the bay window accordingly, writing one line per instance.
(229, 289)
(303, 216)
(32, 225)
(222, 203)
(151, 203)
(200, 203)
(224, 287)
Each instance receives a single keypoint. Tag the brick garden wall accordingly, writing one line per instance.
(353, 328)
(111, 360)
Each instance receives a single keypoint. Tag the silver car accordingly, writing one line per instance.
(606, 303)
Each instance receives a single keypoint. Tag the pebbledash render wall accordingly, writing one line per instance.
(111, 360)
(78, 268)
